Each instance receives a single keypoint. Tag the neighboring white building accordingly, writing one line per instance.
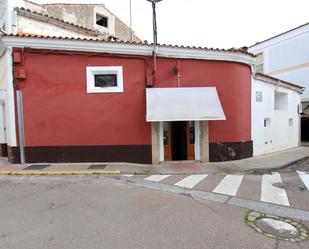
(64, 20)
(275, 116)
(286, 56)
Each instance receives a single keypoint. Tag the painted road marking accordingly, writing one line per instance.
(156, 178)
(272, 193)
(50, 173)
(304, 177)
(229, 185)
(126, 175)
(190, 181)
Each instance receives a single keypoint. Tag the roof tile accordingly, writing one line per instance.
(145, 43)
(278, 80)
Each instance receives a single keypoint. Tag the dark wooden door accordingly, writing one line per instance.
(170, 137)
(190, 140)
(167, 141)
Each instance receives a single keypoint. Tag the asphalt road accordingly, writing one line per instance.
(101, 212)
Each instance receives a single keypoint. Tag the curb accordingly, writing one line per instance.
(282, 166)
(50, 173)
(294, 162)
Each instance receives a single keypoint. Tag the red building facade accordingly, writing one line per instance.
(65, 123)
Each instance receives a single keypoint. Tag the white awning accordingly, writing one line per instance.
(183, 104)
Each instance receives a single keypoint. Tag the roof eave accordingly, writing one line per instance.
(275, 81)
(259, 44)
(119, 47)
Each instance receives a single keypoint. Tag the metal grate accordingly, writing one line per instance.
(97, 166)
(37, 167)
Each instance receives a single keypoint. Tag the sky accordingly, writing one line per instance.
(209, 23)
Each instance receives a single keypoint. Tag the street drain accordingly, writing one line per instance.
(97, 166)
(37, 167)
(277, 227)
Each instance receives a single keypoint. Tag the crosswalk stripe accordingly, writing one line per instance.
(304, 177)
(190, 181)
(229, 185)
(273, 194)
(156, 178)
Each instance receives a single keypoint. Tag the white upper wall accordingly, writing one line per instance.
(10, 15)
(287, 57)
(3, 72)
(283, 128)
(34, 6)
(33, 26)
(3, 13)
(3, 86)
(111, 20)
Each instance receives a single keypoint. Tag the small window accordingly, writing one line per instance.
(266, 122)
(104, 79)
(101, 20)
(259, 96)
(290, 122)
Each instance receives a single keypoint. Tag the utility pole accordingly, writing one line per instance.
(154, 20)
(155, 39)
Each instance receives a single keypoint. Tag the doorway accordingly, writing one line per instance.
(179, 140)
(305, 128)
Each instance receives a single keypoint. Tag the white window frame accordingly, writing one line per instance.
(92, 71)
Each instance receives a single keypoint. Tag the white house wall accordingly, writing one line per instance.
(7, 100)
(3, 13)
(287, 57)
(111, 20)
(3, 139)
(280, 135)
(299, 76)
(288, 53)
(32, 26)
(3, 80)
(11, 14)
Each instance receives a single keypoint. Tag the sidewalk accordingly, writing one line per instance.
(256, 164)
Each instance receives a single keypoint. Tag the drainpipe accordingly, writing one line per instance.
(14, 24)
(155, 41)
(21, 131)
